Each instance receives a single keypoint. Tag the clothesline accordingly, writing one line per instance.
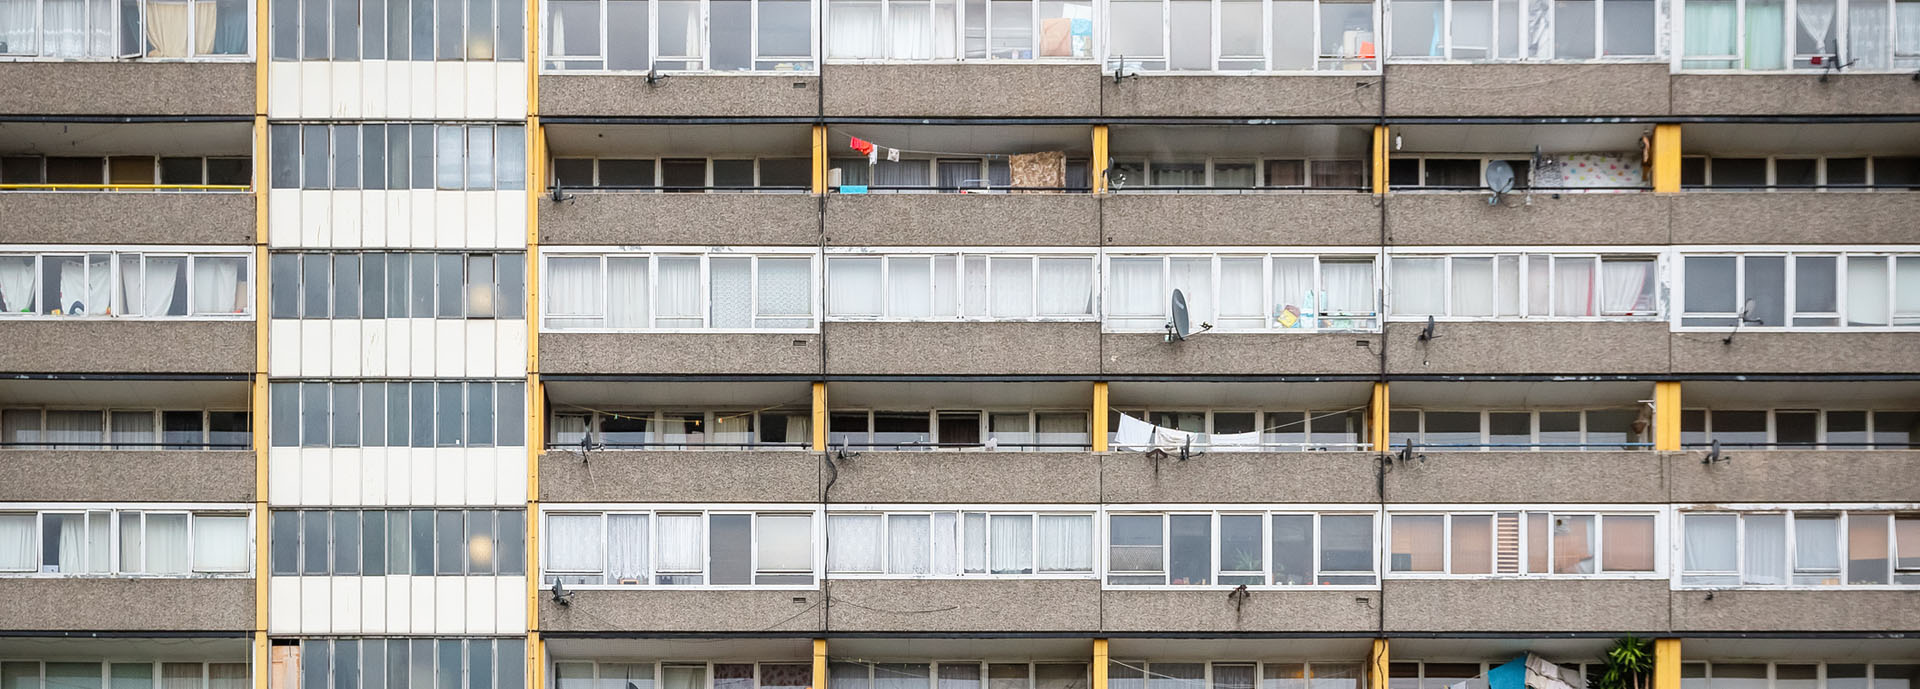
(1134, 433)
(851, 137)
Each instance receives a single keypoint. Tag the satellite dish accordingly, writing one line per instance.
(1181, 323)
(1499, 177)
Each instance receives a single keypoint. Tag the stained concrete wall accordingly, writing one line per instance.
(126, 476)
(680, 353)
(76, 346)
(127, 217)
(682, 95)
(638, 218)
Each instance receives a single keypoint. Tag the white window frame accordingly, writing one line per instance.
(595, 669)
(933, 427)
(1842, 255)
(1586, 444)
(1677, 542)
(118, 257)
(1522, 21)
(1266, 514)
(1262, 418)
(119, 7)
(653, 254)
(1773, 172)
(959, 258)
(659, 171)
(705, 512)
(1897, 62)
(959, 513)
(1553, 255)
(959, 37)
(1821, 427)
(1330, 65)
(1212, 163)
(115, 511)
(657, 418)
(1599, 512)
(1370, 322)
(107, 443)
(704, 59)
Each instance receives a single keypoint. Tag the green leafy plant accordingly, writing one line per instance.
(1629, 665)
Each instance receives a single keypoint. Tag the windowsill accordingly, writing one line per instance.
(549, 330)
(651, 588)
(551, 72)
(1039, 319)
(127, 577)
(233, 318)
(1613, 576)
(1370, 71)
(1065, 61)
(1393, 60)
(1801, 587)
(1250, 587)
(131, 60)
(1758, 330)
(1422, 318)
(869, 576)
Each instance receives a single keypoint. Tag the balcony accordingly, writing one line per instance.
(1810, 611)
(1790, 217)
(1247, 353)
(1328, 94)
(721, 611)
(1039, 219)
(116, 184)
(1804, 93)
(582, 353)
(963, 348)
(956, 90)
(1784, 475)
(1536, 217)
(1057, 476)
(989, 605)
(1450, 475)
(683, 95)
(55, 345)
(1519, 347)
(128, 88)
(1254, 218)
(1521, 90)
(1304, 610)
(1240, 477)
(143, 475)
(1761, 351)
(127, 604)
(1515, 605)
(614, 218)
(692, 475)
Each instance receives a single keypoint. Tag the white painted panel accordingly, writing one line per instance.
(399, 610)
(316, 476)
(315, 604)
(423, 348)
(399, 473)
(283, 217)
(346, 219)
(450, 605)
(510, 602)
(449, 89)
(373, 90)
(480, 210)
(450, 220)
(346, 604)
(511, 350)
(373, 346)
(373, 604)
(346, 90)
(420, 89)
(400, 215)
(283, 476)
(399, 353)
(283, 100)
(449, 350)
(373, 214)
(316, 79)
(283, 347)
(346, 475)
(373, 467)
(422, 225)
(512, 207)
(346, 347)
(480, 603)
(481, 360)
(449, 485)
(510, 475)
(283, 605)
(476, 471)
(423, 595)
(398, 96)
(511, 100)
(425, 462)
(316, 209)
(478, 78)
(316, 359)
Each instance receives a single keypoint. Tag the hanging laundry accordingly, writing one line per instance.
(893, 155)
(1173, 439)
(862, 145)
(1234, 442)
(1133, 434)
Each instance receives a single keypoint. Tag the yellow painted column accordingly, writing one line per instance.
(1099, 664)
(1666, 664)
(536, 661)
(820, 420)
(1380, 159)
(1377, 660)
(820, 164)
(536, 445)
(1100, 156)
(1100, 421)
(820, 664)
(1377, 416)
(1666, 158)
(1666, 415)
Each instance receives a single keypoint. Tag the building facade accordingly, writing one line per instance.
(990, 344)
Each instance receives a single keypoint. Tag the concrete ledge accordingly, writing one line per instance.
(1530, 347)
(967, 477)
(679, 353)
(683, 95)
(638, 218)
(127, 604)
(1795, 217)
(891, 348)
(126, 476)
(1239, 477)
(108, 345)
(1247, 353)
(1443, 219)
(1304, 610)
(1536, 90)
(1530, 477)
(962, 220)
(1526, 605)
(1334, 94)
(1253, 219)
(1797, 476)
(962, 90)
(647, 610)
(994, 605)
(679, 476)
(126, 217)
(128, 87)
(1795, 611)
(1786, 352)
(1794, 94)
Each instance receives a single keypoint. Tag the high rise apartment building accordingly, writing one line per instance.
(829, 344)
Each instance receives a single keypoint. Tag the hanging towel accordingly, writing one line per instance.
(1235, 442)
(1170, 439)
(1133, 434)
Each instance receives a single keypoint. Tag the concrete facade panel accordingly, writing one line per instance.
(1526, 606)
(75, 346)
(1803, 352)
(679, 476)
(962, 220)
(1239, 477)
(1794, 217)
(680, 353)
(148, 604)
(963, 348)
(1794, 94)
(127, 88)
(1539, 90)
(1549, 219)
(1521, 477)
(1246, 353)
(1277, 219)
(685, 611)
(1794, 611)
(1319, 95)
(962, 90)
(121, 218)
(1796, 476)
(966, 477)
(644, 219)
(681, 95)
(1263, 611)
(998, 605)
(1535, 347)
(126, 476)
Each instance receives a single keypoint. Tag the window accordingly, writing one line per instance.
(124, 429)
(1241, 35)
(1798, 547)
(1524, 286)
(201, 173)
(1797, 675)
(1848, 172)
(370, 285)
(1225, 430)
(398, 414)
(156, 29)
(764, 429)
(401, 663)
(155, 284)
(1195, 174)
(122, 674)
(960, 544)
(736, 292)
(684, 548)
(947, 174)
(1625, 428)
(918, 30)
(1004, 430)
(960, 287)
(1482, 30)
(472, 157)
(1307, 292)
(380, 542)
(1177, 549)
(682, 675)
(1522, 543)
(1800, 428)
(99, 541)
(727, 36)
(1800, 290)
(682, 175)
(1815, 37)
(352, 30)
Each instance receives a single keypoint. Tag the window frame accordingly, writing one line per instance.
(1334, 65)
(960, 512)
(1266, 513)
(653, 255)
(115, 512)
(1773, 171)
(1371, 321)
(657, 417)
(117, 256)
(1259, 162)
(157, 414)
(1524, 258)
(1599, 512)
(1791, 57)
(366, 291)
(705, 58)
(705, 512)
(959, 258)
(1821, 429)
(1842, 255)
(824, 32)
(659, 173)
(1789, 511)
(1397, 435)
(1662, 47)
(39, 41)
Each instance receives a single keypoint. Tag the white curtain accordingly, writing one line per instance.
(1012, 287)
(909, 287)
(909, 544)
(1240, 295)
(628, 299)
(799, 428)
(784, 542)
(100, 542)
(64, 28)
(227, 676)
(1293, 292)
(133, 430)
(1766, 557)
(1816, 544)
(1060, 429)
(1906, 290)
(1349, 287)
(786, 289)
(70, 535)
(1011, 543)
(1867, 290)
(1539, 286)
(1066, 287)
(946, 544)
(84, 428)
(1507, 301)
(179, 676)
(572, 286)
(1137, 298)
(573, 542)
(166, 543)
(216, 285)
(220, 543)
(1194, 278)
(853, 29)
(18, 427)
(1906, 35)
(16, 274)
(73, 284)
(1866, 39)
(627, 548)
(853, 287)
(853, 543)
(16, 542)
(911, 33)
(974, 532)
(1066, 543)
(167, 28)
(679, 293)
(1418, 287)
(681, 543)
(1624, 287)
(158, 283)
(1710, 544)
(946, 287)
(730, 292)
(975, 290)
(1473, 293)
(1573, 287)
(1816, 18)
(16, 25)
